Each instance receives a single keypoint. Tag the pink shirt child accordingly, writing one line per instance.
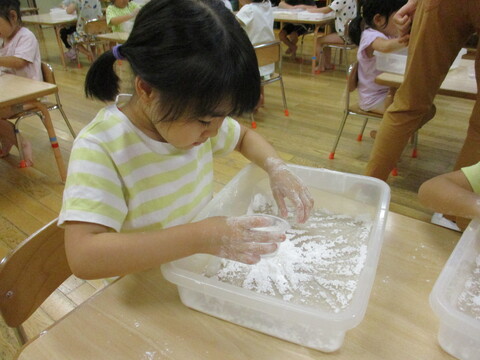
(24, 45)
(370, 93)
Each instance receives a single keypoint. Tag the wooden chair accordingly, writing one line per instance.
(92, 28)
(268, 53)
(354, 109)
(49, 77)
(30, 273)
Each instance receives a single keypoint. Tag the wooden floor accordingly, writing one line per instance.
(29, 198)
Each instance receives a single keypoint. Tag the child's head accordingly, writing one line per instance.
(9, 17)
(375, 14)
(194, 56)
(120, 3)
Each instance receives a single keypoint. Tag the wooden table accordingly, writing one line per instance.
(21, 90)
(141, 317)
(457, 83)
(57, 21)
(118, 37)
(285, 16)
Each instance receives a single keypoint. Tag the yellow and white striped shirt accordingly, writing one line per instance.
(120, 178)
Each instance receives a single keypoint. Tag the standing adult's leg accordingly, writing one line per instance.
(439, 30)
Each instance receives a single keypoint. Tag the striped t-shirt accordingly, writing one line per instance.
(120, 178)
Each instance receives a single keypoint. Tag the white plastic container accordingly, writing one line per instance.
(459, 332)
(397, 62)
(305, 325)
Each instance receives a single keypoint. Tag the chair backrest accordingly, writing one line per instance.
(268, 53)
(47, 72)
(96, 26)
(31, 272)
(346, 33)
(352, 77)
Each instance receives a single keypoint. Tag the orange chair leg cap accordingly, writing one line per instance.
(254, 125)
(394, 172)
(359, 137)
(414, 153)
(23, 164)
(331, 156)
(286, 112)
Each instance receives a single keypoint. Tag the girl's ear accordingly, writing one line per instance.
(379, 21)
(13, 17)
(144, 90)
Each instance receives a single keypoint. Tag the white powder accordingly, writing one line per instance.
(318, 265)
(469, 298)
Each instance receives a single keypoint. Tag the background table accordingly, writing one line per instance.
(57, 21)
(141, 317)
(118, 37)
(21, 90)
(457, 83)
(285, 17)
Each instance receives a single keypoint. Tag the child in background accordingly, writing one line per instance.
(456, 193)
(121, 15)
(86, 10)
(19, 55)
(143, 168)
(256, 18)
(289, 33)
(344, 11)
(374, 29)
(65, 31)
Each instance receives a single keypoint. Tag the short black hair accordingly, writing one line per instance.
(6, 6)
(194, 52)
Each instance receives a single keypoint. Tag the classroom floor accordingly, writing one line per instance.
(29, 198)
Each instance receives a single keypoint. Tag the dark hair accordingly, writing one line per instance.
(193, 52)
(366, 11)
(6, 6)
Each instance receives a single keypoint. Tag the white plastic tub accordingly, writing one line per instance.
(459, 332)
(397, 62)
(305, 325)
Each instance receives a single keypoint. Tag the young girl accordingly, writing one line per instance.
(374, 29)
(344, 10)
(256, 17)
(142, 169)
(120, 14)
(86, 10)
(19, 55)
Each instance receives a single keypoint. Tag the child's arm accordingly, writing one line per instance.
(284, 5)
(13, 62)
(323, 10)
(386, 45)
(94, 251)
(71, 8)
(450, 194)
(284, 183)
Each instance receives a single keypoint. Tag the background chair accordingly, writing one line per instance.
(354, 109)
(268, 53)
(92, 28)
(30, 273)
(49, 77)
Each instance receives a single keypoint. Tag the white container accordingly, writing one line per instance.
(305, 325)
(397, 62)
(459, 332)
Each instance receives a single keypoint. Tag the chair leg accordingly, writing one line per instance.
(253, 122)
(21, 335)
(360, 135)
(16, 128)
(285, 107)
(415, 143)
(340, 130)
(66, 119)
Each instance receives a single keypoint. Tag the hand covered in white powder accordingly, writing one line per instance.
(235, 238)
(286, 184)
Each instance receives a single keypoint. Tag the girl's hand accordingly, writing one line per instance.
(235, 238)
(285, 184)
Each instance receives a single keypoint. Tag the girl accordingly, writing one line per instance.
(142, 169)
(344, 11)
(256, 17)
(19, 55)
(120, 14)
(86, 10)
(374, 29)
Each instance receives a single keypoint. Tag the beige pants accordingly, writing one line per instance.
(440, 29)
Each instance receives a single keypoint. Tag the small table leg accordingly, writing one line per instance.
(60, 45)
